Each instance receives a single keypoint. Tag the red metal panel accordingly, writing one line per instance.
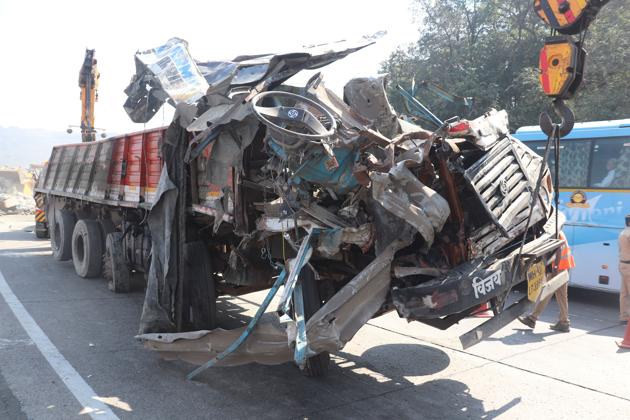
(154, 158)
(208, 191)
(116, 168)
(134, 160)
(133, 176)
(152, 163)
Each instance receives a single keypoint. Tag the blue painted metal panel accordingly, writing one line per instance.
(587, 130)
(314, 169)
(301, 342)
(341, 180)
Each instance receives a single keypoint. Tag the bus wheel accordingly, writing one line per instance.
(115, 268)
(87, 248)
(61, 235)
(316, 366)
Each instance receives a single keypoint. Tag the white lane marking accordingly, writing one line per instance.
(75, 383)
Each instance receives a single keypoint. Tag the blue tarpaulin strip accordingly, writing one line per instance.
(419, 107)
(301, 342)
(301, 259)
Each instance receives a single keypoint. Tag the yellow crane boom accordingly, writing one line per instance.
(88, 82)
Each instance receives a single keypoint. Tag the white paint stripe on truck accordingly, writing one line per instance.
(74, 382)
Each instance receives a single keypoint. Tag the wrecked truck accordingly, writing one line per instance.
(339, 207)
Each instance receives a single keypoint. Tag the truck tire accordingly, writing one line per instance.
(61, 235)
(115, 268)
(41, 233)
(107, 227)
(87, 248)
(316, 366)
(202, 291)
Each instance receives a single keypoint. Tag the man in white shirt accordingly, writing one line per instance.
(608, 179)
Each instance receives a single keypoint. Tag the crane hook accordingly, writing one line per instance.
(566, 116)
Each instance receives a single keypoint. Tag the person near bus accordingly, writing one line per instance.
(611, 165)
(565, 262)
(624, 270)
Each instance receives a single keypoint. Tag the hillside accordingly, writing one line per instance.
(23, 146)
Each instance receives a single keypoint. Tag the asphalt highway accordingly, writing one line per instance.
(67, 350)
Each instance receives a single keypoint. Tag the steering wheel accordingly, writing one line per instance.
(295, 122)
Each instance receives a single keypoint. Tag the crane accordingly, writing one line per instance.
(88, 82)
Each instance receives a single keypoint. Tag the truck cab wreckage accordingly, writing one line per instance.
(340, 207)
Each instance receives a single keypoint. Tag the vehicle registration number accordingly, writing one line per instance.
(535, 280)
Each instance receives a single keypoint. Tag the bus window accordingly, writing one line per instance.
(574, 161)
(611, 164)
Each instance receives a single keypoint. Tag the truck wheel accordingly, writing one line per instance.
(41, 233)
(87, 248)
(202, 291)
(61, 235)
(316, 366)
(115, 268)
(107, 227)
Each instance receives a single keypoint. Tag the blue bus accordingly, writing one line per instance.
(594, 195)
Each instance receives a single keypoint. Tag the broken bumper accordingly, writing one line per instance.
(466, 286)
(470, 284)
(508, 315)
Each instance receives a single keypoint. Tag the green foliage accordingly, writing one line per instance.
(605, 92)
(488, 49)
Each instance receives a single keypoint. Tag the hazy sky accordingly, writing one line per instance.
(44, 44)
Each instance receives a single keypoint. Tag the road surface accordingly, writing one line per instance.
(72, 341)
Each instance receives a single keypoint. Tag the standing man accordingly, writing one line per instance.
(564, 261)
(624, 269)
(562, 297)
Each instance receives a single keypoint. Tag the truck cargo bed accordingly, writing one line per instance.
(118, 171)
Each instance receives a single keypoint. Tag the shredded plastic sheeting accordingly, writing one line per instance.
(176, 71)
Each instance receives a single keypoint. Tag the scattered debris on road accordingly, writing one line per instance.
(16, 203)
(16, 189)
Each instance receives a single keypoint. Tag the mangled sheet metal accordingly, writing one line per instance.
(170, 72)
(400, 192)
(270, 342)
(338, 206)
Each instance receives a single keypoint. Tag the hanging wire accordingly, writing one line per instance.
(555, 138)
(556, 180)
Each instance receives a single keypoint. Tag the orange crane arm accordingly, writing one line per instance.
(88, 82)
